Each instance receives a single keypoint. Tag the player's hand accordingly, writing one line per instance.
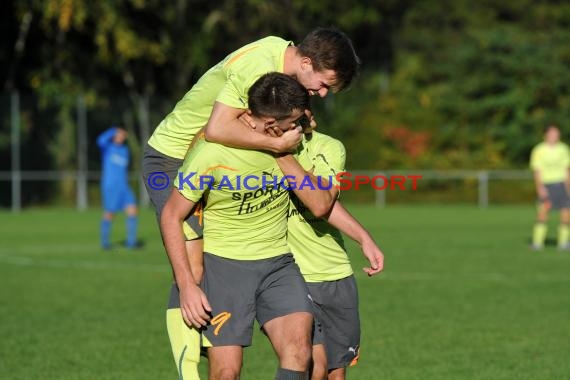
(194, 306)
(290, 140)
(374, 256)
(247, 119)
(273, 131)
(312, 120)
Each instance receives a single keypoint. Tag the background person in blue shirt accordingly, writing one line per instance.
(115, 190)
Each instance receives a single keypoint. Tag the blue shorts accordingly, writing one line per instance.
(117, 199)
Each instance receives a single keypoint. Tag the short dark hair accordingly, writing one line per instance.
(548, 127)
(331, 49)
(277, 95)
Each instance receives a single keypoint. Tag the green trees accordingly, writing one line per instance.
(445, 84)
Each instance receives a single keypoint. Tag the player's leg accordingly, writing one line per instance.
(319, 366)
(540, 227)
(132, 218)
(184, 339)
(337, 374)
(105, 229)
(339, 317)
(159, 172)
(291, 339)
(111, 204)
(564, 229)
(230, 287)
(225, 362)
(563, 203)
(284, 311)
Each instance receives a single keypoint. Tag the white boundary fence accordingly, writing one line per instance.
(483, 178)
(16, 176)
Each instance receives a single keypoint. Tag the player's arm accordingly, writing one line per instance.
(535, 165)
(224, 127)
(317, 196)
(106, 138)
(346, 223)
(541, 190)
(193, 302)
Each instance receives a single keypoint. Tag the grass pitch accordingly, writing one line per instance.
(461, 297)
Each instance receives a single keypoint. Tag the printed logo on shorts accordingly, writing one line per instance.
(355, 353)
(219, 321)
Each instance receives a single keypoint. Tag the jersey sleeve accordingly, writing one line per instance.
(329, 160)
(242, 71)
(191, 180)
(106, 138)
(535, 159)
(566, 160)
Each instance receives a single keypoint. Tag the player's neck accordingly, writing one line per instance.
(291, 61)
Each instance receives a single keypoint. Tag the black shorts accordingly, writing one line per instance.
(336, 314)
(159, 172)
(240, 291)
(557, 196)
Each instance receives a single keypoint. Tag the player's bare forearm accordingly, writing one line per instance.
(315, 196)
(171, 219)
(540, 188)
(194, 305)
(225, 127)
(340, 218)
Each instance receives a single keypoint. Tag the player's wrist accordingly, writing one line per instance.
(276, 145)
(186, 282)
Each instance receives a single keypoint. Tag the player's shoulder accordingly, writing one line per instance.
(262, 47)
(325, 141)
(539, 147)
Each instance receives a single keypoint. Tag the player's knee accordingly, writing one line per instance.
(299, 351)
(225, 373)
(132, 211)
(337, 374)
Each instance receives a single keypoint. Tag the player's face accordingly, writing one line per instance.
(552, 136)
(120, 137)
(289, 122)
(316, 82)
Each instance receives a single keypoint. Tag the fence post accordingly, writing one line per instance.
(143, 113)
(483, 179)
(15, 150)
(82, 201)
(380, 195)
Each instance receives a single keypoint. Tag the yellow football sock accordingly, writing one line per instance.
(185, 343)
(539, 235)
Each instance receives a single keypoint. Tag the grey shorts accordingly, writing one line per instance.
(336, 310)
(159, 172)
(240, 291)
(174, 298)
(557, 196)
